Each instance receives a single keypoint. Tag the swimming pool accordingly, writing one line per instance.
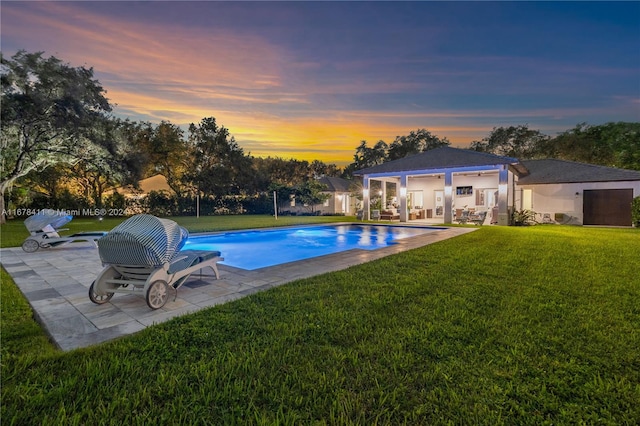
(261, 248)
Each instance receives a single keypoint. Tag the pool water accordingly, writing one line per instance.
(262, 248)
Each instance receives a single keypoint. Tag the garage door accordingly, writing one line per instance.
(607, 207)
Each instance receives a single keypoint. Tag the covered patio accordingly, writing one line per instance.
(438, 185)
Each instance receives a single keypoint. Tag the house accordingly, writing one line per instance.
(440, 184)
(340, 200)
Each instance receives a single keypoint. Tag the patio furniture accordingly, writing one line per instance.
(478, 218)
(463, 217)
(143, 253)
(389, 215)
(375, 214)
(44, 227)
(546, 218)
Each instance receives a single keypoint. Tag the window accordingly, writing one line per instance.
(415, 200)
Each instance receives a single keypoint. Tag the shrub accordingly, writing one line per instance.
(115, 201)
(635, 212)
(523, 217)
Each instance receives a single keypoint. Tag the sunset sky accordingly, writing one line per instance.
(310, 80)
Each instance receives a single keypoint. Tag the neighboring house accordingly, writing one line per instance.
(153, 183)
(439, 184)
(340, 201)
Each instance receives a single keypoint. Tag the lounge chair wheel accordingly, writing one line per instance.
(157, 294)
(96, 298)
(30, 245)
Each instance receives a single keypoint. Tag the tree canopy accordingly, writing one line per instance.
(414, 143)
(513, 141)
(610, 144)
(49, 112)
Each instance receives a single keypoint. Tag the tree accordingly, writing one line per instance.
(319, 169)
(369, 157)
(610, 144)
(109, 161)
(310, 193)
(220, 166)
(165, 151)
(414, 143)
(283, 195)
(513, 141)
(275, 170)
(48, 111)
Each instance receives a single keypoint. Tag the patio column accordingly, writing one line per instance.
(503, 195)
(365, 198)
(448, 191)
(403, 198)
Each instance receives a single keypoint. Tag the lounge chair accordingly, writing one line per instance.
(462, 217)
(44, 226)
(143, 252)
(478, 218)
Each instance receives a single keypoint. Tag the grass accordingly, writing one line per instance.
(534, 325)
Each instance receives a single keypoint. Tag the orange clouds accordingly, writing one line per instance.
(275, 96)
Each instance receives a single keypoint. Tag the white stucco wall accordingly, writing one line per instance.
(567, 198)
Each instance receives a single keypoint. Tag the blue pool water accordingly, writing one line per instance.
(261, 248)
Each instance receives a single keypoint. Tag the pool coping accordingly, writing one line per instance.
(56, 283)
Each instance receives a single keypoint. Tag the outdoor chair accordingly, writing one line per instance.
(143, 253)
(479, 218)
(546, 218)
(463, 217)
(44, 226)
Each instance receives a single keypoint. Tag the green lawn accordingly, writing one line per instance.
(533, 325)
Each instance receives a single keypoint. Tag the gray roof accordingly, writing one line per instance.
(439, 158)
(561, 171)
(335, 184)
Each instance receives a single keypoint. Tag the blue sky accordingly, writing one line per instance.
(310, 80)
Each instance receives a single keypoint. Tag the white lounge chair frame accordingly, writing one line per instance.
(143, 253)
(44, 227)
